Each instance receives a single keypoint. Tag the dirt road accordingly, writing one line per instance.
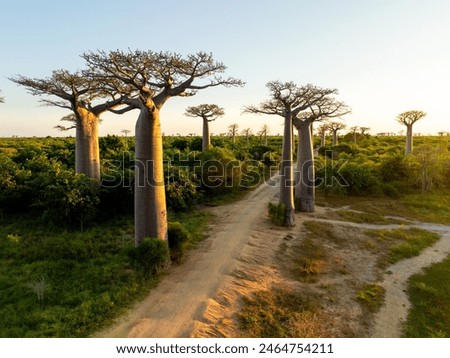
(173, 307)
(200, 298)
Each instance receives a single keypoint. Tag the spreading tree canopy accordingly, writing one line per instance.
(147, 79)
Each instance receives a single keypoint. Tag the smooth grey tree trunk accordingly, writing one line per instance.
(206, 140)
(150, 211)
(305, 187)
(335, 138)
(87, 154)
(287, 172)
(409, 139)
(322, 139)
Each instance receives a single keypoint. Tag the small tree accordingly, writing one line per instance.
(209, 113)
(125, 131)
(232, 130)
(334, 128)
(263, 134)
(353, 131)
(77, 93)
(432, 165)
(364, 130)
(408, 118)
(247, 132)
(148, 80)
(2, 100)
(323, 129)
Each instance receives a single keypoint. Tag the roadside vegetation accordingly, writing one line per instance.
(429, 294)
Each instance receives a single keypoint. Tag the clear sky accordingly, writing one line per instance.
(384, 56)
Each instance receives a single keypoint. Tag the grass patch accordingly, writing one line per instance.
(433, 207)
(310, 260)
(395, 245)
(277, 214)
(59, 283)
(360, 217)
(196, 223)
(322, 231)
(429, 294)
(371, 296)
(280, 313)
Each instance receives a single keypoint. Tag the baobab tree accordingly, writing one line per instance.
(408, 118)
(125, 131)
(247, 132)
(353, 131)
(263, 134)
(232, 130)
(2, 100)
(335, 127)
(287, 100)
(323, 106)
(323, 129)
(364, 130)
(148, 80)
(77, 93)
(209, 113)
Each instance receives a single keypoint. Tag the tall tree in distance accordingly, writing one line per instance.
(233, 130)
(149, 79)
(247, 132)
(323, 129)
(287, 100)
(364, 130)
(353, 131)
(323, 106)
(263, 133)
(335, 127)
(209, 113)
(77, 93)
(408, 118)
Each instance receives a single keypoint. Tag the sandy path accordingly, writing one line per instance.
(172, 308)
(394, 311)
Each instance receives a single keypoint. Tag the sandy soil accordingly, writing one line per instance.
(246, 253)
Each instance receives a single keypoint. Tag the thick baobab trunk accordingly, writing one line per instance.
(87, 154)
(354, 137)
(287, 173)
(335, 138)
(150, 213)
(305, 187)
(206, 141)
(409, 140)
(322, 139)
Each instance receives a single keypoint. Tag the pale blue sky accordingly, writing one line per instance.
(385, 57)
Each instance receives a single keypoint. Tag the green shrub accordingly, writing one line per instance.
(395, 168)
(150, 257)
(178, 237)
(277, 214)
(181, 189)
(220, 171)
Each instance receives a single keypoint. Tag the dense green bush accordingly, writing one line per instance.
(178, 238)
(220, 171)
(150, 257)
(181, 189)
(277, 214)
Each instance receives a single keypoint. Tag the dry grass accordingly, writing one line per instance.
(281, 313)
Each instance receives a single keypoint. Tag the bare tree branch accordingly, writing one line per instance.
(209, 112)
